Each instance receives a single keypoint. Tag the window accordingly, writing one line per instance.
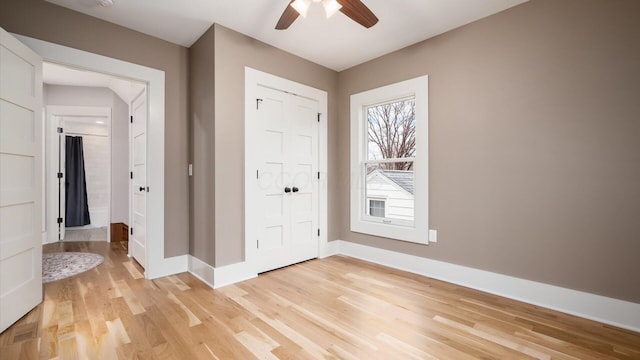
(376, 208)
(389, 161)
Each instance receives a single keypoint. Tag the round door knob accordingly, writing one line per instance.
(295, 189)
(141, 188)
(287, 189)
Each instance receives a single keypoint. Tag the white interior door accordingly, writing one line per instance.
(138, 236)
(286, 179)
(304, 169)
(20, 179)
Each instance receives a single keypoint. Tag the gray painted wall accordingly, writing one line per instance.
(534, 143)
(218, 61)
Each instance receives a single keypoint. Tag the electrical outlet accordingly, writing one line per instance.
(433, 235)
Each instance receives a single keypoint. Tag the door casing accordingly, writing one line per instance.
(53, 114)
(157, 264)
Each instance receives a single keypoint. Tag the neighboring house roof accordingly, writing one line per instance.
(402, 178)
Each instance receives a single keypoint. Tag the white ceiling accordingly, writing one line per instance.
(61, 75)
(337, 43)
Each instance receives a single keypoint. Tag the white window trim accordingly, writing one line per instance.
(419, 232)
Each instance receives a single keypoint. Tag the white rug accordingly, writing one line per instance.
(56, 266)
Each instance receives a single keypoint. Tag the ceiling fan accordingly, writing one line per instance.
(354, 9)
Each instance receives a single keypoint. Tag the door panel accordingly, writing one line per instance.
(16, 123)
(287, 133)
(273, 177)
(20, 180)
(138, 240)
(304, 218)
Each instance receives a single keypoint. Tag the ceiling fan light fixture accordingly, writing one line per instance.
(301, 6)
(331, 7)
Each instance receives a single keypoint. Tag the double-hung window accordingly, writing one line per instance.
(389, 161)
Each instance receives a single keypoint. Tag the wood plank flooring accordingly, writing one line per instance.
(335, 308)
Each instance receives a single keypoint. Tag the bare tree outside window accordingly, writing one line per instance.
(392, 133)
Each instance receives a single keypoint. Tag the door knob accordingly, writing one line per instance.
(295, 189)
(141, 188)
(287, 189)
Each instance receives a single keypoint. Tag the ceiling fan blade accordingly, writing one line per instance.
(358, 12)
(289, 15)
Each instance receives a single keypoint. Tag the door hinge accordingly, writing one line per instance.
(318, 232)
(319, 117)
(257, 174)
(131, 174)
(60, 130)
(131, 231)
(59, 220)
(131, 118)
(257, 244)
(60, 175)
(258, 101)
(318, 175)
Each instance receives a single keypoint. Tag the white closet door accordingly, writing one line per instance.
(274, 204)
(20, 180)
(138, 239)
(287, 147)
(304, 170)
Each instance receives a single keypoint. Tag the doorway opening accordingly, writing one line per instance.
(88, 157)
(156, 263)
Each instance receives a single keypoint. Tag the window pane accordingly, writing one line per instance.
(396, 186)
(376, 208)
(392, 130)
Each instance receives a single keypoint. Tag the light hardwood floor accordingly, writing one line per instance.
(332, 308)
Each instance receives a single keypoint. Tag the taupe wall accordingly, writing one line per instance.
(202, 139)
(534, 143)
(45, 21)
(232, 52)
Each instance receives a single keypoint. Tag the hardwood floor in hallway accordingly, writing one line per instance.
(337, 307)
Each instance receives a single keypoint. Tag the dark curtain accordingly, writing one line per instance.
(77, 207)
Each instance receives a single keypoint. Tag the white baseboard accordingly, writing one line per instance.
(170, 266)
(611, 311)
(607, 310)
(202, 270)
(220, 276)
(329, 249)
(230, 274)
(44, 238)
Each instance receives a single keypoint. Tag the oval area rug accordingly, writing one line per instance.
(57, 266)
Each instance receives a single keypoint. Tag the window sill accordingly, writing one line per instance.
(412, 234)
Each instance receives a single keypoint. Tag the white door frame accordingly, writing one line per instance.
(253, 79)
(157, 265)
(51, 155)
